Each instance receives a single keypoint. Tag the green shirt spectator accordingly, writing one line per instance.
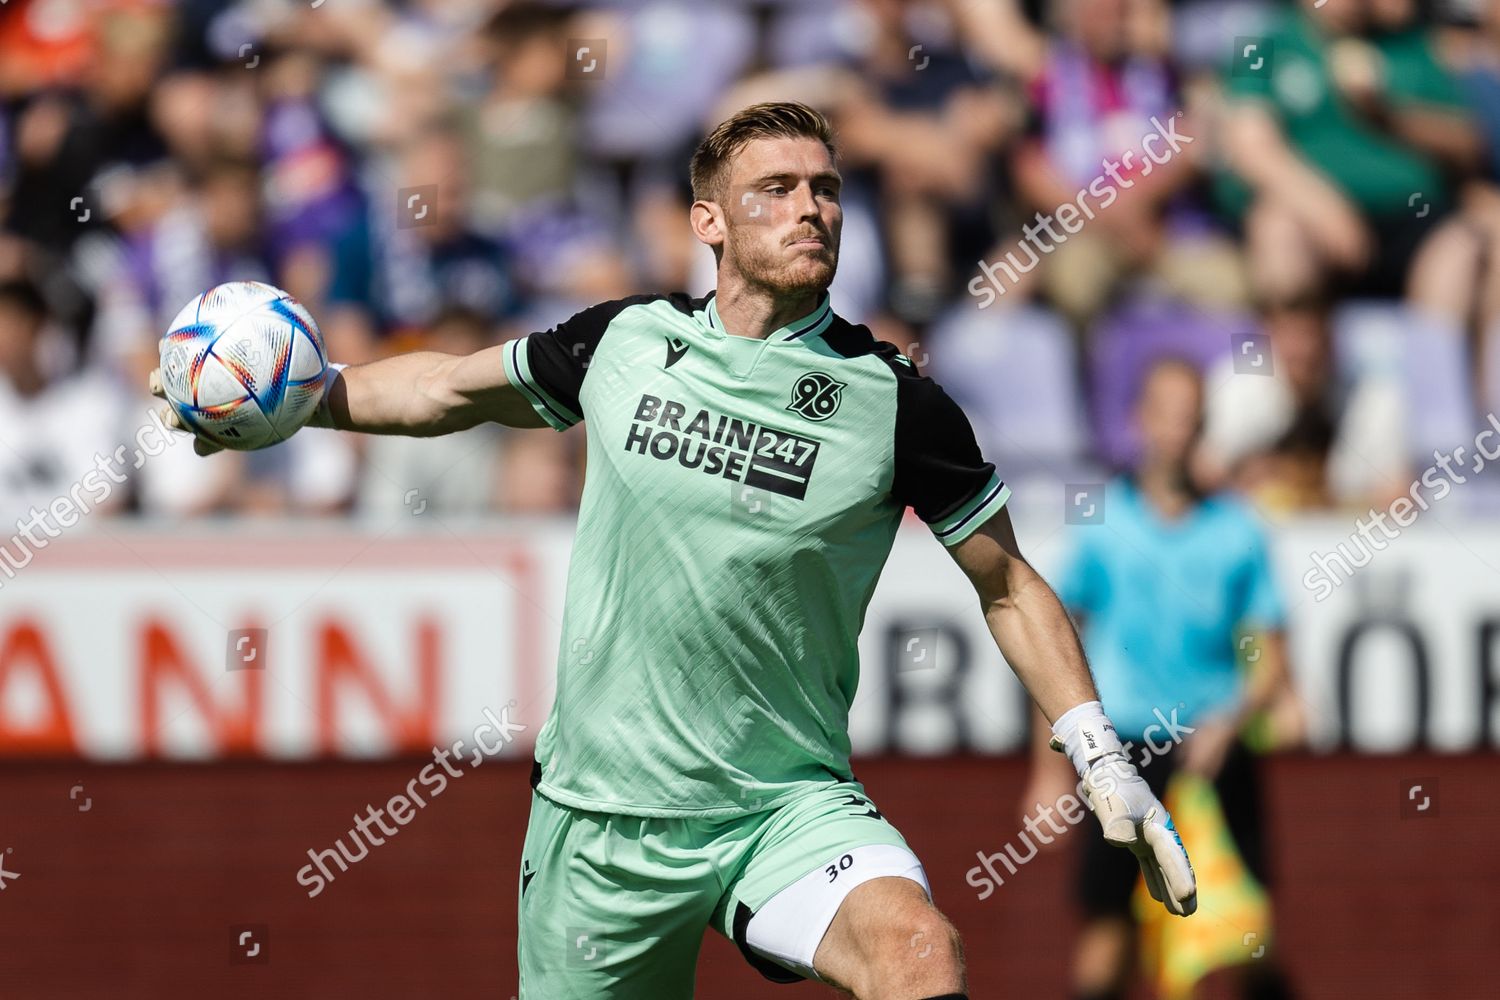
(1290, 69)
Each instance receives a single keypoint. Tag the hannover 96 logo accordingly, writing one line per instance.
(816, 396)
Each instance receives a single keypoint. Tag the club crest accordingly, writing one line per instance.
(816, 396)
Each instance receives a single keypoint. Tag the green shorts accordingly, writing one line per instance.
(615, 906)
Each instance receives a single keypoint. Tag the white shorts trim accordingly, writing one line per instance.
(790, 926)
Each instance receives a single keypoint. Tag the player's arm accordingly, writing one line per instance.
(1027, 620)
(940, 474)
(1037, 639)
(421, 394)
(424, 393)
(533, 381)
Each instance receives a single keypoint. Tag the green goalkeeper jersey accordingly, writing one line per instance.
(741, 498)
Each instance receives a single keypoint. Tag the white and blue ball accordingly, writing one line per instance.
(244, 365)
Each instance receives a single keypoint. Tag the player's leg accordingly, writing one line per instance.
(803, 863)
(611, 906)
(889, 941)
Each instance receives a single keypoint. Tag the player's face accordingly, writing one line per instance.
(783, 218)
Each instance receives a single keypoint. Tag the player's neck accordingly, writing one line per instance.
(757, 313)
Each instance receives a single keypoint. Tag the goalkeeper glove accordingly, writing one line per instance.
(1130, 813)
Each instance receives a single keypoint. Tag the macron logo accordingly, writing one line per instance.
(675, 350)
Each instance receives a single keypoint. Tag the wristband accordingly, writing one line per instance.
(1085, 734)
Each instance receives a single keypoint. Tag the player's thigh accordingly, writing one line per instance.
(806, 860)
(610, 906)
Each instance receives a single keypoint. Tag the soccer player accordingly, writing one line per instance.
(750, 456)
(1168, 590)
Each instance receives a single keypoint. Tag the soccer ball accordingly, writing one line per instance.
(243, 365)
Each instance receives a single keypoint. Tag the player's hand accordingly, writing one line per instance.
(169, 417)
(1133, 818)
(1128, 810)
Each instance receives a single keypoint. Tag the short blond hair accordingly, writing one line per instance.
(771, 120)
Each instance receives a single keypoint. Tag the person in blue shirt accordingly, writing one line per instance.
(1171, 589)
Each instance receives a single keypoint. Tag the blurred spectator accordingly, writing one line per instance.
(645, 92)
(1303, 437)
(210, 236)
(310, 191)
(414, 252)
(64, 137)
(1340, 133)
(38, 52)
(1103, 86)
(521, 136)
(929, 123)
(55, 422)
(1270, 437)
(1464, 294)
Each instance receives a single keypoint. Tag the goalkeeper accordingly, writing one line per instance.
(750, 457)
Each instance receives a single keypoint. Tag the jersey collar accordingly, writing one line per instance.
(810, 325)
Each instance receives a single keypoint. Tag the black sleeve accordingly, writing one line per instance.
(939, 471)
(549, 367)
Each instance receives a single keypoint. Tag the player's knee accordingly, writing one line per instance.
(934, 939)
(912, 950)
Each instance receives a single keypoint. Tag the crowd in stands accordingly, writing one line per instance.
(1315, 224)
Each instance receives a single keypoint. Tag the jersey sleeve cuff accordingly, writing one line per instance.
(967, 519)
(518, 373)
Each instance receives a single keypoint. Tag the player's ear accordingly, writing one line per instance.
(707, 219)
